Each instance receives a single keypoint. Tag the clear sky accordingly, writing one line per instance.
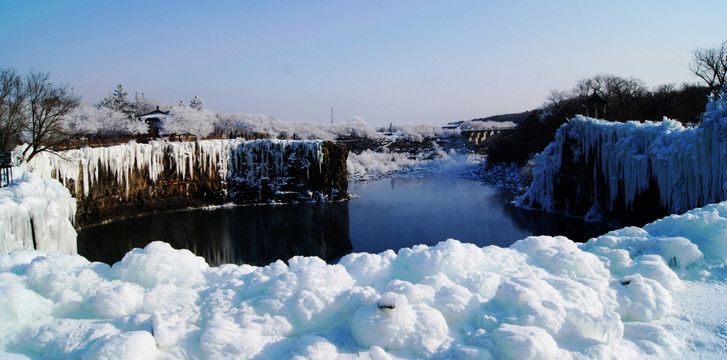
(386, 61)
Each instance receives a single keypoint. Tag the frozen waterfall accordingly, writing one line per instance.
(37, 213)
(233, 159)
(689, 164)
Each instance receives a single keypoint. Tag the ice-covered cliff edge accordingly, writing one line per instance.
(632, 170)
(36, 213)
(133, 178)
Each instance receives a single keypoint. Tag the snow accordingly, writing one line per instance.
(184, 119)
(371, 165)
(355, 127)
(647, 292)
(100, 120)
(689, 164)
(36, 213)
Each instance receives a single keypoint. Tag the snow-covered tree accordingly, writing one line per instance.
(183, 119)
(356, 127)
(197, 103)
(142, 105)
(118, 100)
(102, 121)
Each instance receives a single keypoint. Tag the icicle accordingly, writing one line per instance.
(37, 213)
(687, 164)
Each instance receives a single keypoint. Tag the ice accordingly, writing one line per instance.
(231, 159)
(36, 213)
(620, 295)
(689, 164)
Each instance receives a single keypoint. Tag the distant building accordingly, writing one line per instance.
(595, 103)
(154, 120)
(452, 125)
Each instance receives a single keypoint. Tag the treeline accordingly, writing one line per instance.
(627, 99)
(43, 116)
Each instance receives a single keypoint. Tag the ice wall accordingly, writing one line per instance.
(271, 167)
(37, 213)
(254, 163)
(687, 166)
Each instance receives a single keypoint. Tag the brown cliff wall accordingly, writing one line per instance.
(131, 179)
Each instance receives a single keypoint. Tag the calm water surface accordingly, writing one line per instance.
(388, 214)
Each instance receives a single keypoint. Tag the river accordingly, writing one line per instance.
(391, 213)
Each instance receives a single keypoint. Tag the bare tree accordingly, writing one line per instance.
(585, 87)
(48, 106)
(12, 96)
(622, 93)
(710, 65)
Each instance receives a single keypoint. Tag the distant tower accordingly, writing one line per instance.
(331, 116)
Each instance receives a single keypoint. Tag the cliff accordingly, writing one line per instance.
(632, 173)
(133, 178)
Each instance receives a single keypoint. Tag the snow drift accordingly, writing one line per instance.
(609, 167)
(542, 298)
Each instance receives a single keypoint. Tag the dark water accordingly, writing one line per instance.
(388, 214)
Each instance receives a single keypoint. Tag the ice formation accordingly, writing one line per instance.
(235, 159)
(37, 213)
(689, 164)
(542, 298)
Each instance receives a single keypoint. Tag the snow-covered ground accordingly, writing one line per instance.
(634, 293)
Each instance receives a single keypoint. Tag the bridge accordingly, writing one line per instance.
(482, 137)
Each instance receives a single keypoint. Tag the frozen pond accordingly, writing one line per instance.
(392, 213)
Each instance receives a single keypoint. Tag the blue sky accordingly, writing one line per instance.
(386, 61)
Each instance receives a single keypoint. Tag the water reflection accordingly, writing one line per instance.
(540, 223)
(426, 209)
(256, 235)
(389, 214)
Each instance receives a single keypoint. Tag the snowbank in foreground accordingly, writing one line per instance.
(37, 213)
(542, 298)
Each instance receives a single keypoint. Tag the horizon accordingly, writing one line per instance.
(386, 62)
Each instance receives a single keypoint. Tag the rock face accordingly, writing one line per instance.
(130, 179)
(632, 173)
(286, 171)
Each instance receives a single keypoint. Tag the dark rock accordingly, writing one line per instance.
(305, 180)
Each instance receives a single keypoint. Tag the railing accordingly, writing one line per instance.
(6, 168)
(118, 140)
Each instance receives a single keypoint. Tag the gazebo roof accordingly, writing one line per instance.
(153, 114)
(594, 100)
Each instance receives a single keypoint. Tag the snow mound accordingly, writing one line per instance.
(37, 213)
(542, 298)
